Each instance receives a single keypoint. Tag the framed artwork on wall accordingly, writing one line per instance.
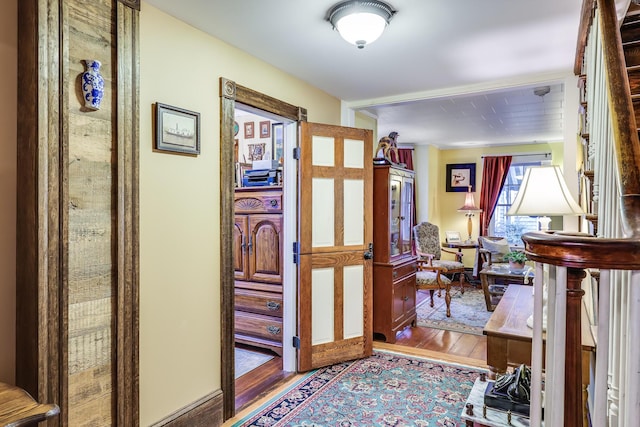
(460, 176)
(177, 130)
(265, 129)
(248, 130)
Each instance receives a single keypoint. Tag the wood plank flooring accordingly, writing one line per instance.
(456, 347)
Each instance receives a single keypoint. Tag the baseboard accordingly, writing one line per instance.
(204, 412)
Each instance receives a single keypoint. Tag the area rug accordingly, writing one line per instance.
(468, 312)
(247, 360)
(386, 389)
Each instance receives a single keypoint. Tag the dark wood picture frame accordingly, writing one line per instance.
(248, 130)
(265, 129)
(177, 130)
(460, 176)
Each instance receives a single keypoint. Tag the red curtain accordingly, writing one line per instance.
(405, 155)
(494, 173)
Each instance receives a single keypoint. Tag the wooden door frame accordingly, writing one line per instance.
(230, 93)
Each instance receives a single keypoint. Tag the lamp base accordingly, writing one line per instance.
(544, 223)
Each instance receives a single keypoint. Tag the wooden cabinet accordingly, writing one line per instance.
(394, 266)
(257, 246)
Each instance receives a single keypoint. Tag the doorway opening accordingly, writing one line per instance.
(273, 109)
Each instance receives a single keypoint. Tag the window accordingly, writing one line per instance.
(512, 227)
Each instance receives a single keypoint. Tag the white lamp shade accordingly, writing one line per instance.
(543, 192)
(361, 28)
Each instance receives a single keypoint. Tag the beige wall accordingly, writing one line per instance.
(179, 207)
(8, 144)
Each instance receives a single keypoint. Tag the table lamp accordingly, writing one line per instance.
(544, 193)
(469, 209)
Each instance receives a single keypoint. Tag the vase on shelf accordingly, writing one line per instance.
(92, 84)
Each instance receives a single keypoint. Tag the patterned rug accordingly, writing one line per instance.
(385, 389)
(247, 360)
(468, 312)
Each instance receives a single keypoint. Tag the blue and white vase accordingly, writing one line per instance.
(92, 84)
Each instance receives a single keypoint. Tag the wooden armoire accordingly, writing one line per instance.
(257, 246)
(394, 266)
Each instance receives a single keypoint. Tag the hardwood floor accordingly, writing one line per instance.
(438, 344)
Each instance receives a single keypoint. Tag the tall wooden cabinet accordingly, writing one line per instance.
(257, 246)
(394, 266)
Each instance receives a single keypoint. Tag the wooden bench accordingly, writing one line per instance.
(18, 408)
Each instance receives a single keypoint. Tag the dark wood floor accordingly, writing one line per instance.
(446, 345)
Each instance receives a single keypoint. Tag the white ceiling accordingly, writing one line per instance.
(448, 73)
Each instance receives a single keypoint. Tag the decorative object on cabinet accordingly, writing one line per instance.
(394, 265)
(265, 129)
(92, 84)
(257, 238)
(461, 176)
(177, 130)
(248, 130)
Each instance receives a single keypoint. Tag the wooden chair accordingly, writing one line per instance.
(428, 248)
(18, 408)
(431, 278)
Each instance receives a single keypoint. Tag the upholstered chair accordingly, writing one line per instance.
(492, 249)
(427, 239)
(430, 278)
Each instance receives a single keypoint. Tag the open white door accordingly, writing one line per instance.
(335, 308)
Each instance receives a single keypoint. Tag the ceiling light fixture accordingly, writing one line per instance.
(360, 22)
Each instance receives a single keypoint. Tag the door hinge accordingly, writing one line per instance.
(296, 252)
(296, 153)
(296, 342)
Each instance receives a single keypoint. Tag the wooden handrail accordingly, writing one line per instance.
(625, 129)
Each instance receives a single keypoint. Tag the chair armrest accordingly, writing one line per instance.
(423, 265)
(425, 257)
(458, 254)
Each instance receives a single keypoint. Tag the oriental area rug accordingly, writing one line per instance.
(386, 389)
(468, 311)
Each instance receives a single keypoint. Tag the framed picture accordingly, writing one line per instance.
(277, 141)
(452, 236)
(248, 130)
(460, 176)
(265, 129)
(177, 130)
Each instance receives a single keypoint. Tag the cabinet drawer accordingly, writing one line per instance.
(256, 202)
(267, 303)
(404, 270)
(258, 325)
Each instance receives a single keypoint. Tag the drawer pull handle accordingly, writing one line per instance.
(405, 298)
(274, 203)
(273, 306)
(395, 274)
(273, 330)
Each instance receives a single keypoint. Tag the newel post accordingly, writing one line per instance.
(573, 356)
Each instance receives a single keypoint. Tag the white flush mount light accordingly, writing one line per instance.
(360, 22)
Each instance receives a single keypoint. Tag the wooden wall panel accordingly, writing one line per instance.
(90, 177)
(78, 239)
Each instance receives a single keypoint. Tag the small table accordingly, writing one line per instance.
(491, 417)
(460, 246)
(509, 337)
(488, 278)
